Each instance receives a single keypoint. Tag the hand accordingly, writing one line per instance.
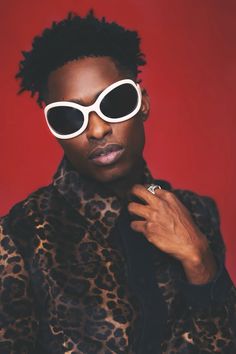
(169, 226)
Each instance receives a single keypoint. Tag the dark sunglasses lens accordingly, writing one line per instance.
(65, 120)
(119, 102)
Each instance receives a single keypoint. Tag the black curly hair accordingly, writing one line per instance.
(77, 37)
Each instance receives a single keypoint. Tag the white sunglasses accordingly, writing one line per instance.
(117, 103)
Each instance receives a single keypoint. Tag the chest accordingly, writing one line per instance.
(83, 292)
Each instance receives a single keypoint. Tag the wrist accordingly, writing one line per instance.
(201, 268)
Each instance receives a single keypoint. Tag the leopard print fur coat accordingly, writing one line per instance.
(64, 284)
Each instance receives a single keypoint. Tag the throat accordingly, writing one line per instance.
(122, 186)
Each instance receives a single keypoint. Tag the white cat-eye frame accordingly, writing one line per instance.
(118, 102)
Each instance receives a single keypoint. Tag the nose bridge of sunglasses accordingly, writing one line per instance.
(95, 119)
(97, 128)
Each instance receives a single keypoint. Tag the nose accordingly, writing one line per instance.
(97, 128)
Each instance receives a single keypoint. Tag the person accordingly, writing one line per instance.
(106, 259)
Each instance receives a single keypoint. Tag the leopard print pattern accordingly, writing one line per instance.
(64, 284)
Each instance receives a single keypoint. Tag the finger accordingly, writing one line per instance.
(165, 195)
(142, 193)
(138, 226)
(139, 209)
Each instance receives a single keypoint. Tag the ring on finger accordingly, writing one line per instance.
(153, 187)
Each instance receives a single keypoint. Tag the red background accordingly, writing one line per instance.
(190, 76)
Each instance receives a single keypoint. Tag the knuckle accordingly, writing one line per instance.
(149, 227)
(153, 214)
(169, 195)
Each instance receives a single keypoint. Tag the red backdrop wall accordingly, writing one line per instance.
(190, 76)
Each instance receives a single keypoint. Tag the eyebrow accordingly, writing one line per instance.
(76, 100)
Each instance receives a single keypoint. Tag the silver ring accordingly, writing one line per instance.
(152, 188)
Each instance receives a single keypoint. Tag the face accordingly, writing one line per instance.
(104, 151)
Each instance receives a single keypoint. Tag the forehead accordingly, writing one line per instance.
(82, 79)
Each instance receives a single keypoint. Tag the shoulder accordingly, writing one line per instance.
(19, 220)
(31, 203)
(201, 206)
(22, 227)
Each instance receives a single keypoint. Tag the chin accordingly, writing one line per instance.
(109, 177)
(111, 174)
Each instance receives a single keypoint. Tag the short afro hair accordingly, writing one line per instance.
(76, 37)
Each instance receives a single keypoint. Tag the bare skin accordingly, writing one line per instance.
(81, 81)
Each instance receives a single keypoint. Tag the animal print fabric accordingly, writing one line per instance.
(64, 286)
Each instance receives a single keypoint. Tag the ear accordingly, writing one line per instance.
(145, 105)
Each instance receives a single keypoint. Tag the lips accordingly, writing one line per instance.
(106, 155)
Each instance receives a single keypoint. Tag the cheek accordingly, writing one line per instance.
(133, 134)
(75, 147)
(130, 134)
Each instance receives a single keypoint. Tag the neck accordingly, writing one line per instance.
(122, 186)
